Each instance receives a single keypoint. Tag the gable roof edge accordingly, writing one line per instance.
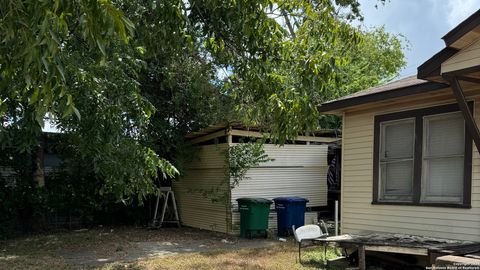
(394, 93)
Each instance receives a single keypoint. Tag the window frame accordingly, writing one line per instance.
(418, 115)
(384, 160)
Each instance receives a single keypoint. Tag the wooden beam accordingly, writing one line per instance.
(211, 136)
(256, 134)
(469, 79)
(472, 127)
(401, 250)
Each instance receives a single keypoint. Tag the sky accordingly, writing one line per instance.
(422, 22)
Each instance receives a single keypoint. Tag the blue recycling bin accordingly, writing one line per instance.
(290, 211)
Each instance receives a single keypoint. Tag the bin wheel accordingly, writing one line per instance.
(265, 235)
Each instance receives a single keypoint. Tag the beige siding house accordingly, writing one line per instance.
(297, 170)
(410, 154)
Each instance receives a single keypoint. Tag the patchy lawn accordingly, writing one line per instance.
(282, 256)
(138, 248)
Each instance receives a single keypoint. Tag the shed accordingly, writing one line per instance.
(410, 148)
(298, 169)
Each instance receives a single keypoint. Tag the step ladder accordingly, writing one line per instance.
(169, 213)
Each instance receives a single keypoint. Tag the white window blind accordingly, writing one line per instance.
(443, 158)
(396, 159)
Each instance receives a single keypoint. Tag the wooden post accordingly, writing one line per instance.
(336, 217)
(361, 257)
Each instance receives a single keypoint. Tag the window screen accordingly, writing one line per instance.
(396, 159)
(443, 158)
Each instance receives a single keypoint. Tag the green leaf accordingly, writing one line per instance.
(77, 113)
(34, 97)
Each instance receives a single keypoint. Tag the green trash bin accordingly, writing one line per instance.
(253, 216)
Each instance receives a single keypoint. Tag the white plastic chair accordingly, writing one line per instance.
(308, 232)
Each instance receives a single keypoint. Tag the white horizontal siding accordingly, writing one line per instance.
(297, 170)
(465, 58)
(359, 215)
(296, 155)
(310, 218)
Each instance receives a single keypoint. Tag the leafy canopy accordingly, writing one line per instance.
(124, 80)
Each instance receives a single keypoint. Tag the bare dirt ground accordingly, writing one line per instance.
(140, 248)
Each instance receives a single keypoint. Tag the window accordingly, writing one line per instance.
(422, 157)
(443, 158)
(396, 160)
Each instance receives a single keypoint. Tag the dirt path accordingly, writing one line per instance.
(133, 251)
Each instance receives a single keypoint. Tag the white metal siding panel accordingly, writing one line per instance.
(359, 215)
(298, 170)
(310, 218)
(466, 58)
(207, 171)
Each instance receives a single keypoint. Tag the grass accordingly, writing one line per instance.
(39, 252)
(280, 257)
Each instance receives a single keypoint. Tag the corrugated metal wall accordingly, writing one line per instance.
(310, 218)
(298, 170)
(205, 172)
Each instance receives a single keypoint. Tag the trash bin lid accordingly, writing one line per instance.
(254, 200)
(290, 199)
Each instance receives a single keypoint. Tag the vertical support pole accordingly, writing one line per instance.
(336, 217)
(361, 257)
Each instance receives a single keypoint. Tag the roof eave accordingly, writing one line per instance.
(463, 28)
(336, 106)
(432, 67)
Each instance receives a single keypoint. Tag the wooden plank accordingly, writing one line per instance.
(473, 256)
(467, 114)
(256, 134)
(456, 260)
(211, 136)
(401, 250)
(361, 257)
(469, 79)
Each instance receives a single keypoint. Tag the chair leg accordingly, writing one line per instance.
(300, 252)
(325, 252)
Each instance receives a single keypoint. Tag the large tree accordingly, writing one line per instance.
(115, 75)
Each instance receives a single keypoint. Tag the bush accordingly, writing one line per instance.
(70, 199)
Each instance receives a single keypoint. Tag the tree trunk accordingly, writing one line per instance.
(38, 166)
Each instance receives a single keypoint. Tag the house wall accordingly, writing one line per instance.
(204, 173)
(358, 215)
(465, 58)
